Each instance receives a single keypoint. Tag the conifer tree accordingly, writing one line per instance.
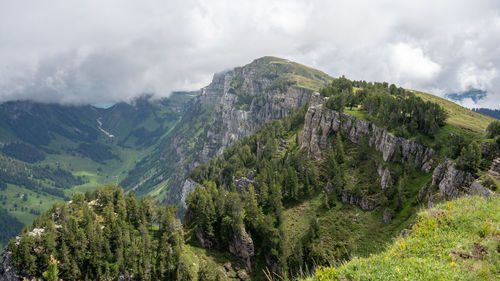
(52, 272)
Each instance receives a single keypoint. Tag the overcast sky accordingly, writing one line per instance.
(96, 51)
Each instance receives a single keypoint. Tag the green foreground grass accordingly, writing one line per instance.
(456, 240)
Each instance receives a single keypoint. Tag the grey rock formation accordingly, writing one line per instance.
(234, 105)
(8, 271)
(189, 185)
(495, 168)
(478, 189)
(451, 181)
(242, 246)
(243, 183)
(321, 122)
(387, 216)
(205, 240)
(364, 203)
(386, 179)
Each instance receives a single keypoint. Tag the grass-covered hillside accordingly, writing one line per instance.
(456, 240)
(294, 73)
(49, 152)
(459, 116)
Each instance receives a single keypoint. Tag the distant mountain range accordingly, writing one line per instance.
(495, 113)
(473, 94)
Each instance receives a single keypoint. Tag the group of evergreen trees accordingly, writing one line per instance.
(281, 177)
(389, 106)
(103, 235)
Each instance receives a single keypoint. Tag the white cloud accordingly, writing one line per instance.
(409, 64)
(98, 51)
(469, 76)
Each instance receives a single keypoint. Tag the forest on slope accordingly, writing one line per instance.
(48, 152)
(267, 202)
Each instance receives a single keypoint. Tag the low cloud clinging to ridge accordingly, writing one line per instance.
(108, 51)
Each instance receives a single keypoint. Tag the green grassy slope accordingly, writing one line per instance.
(459, 116)
(300, 75)
(456, 240)
(137, 127)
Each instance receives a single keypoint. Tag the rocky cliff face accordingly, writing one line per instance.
(8, 271)
(453, 182)
(322, 122)
(242, 246)
(235, 104)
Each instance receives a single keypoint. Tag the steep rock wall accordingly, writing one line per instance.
(230, 120)
(453, 182)
(321, 122)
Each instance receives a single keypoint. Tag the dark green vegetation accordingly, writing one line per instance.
(456, 240)
(22, 152)
(495, 113)
(10, 226)
(294, 213)
(493, 129)
(104, 234)
(390, 107)
(48, 152)
(297, 213)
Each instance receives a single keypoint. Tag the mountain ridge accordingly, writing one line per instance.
(318, 178)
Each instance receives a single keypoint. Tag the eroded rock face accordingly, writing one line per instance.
(386, 179)
(321, 122)
(8, 271)
(495, 168)
(478, 189)
(242, 184)
(242, 246)
(205, 240)
(453, 182)
(387, 216)
(240, 101)
(364, 203)
(188, 186)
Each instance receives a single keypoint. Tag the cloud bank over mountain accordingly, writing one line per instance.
(95, 51)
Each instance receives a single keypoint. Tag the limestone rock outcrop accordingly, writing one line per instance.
(8, 271)
(495, 168)
(321, 122)
(242, 246)
(364, 203)
(453, 182)
(235, 104)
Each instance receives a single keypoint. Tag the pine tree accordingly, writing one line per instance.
(470, 158)
(52, 272)
(339, 149)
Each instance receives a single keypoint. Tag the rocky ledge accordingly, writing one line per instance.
(8, 271)
(453, 182)
(321, 122)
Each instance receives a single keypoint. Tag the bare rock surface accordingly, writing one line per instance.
(242, 246)
(321, 122)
